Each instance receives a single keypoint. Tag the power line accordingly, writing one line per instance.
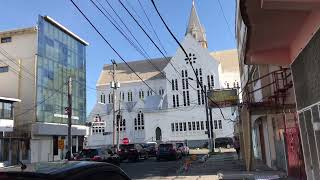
(8, 56)
(153, 29)
(149, 37)
(154, 5)
(131, 43)
(110, 45)
(38, 103)
(225, 19)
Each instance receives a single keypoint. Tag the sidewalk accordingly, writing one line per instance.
(225, 166)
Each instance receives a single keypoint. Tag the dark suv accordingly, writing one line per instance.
(132, 152)
(225, 142)
(168, 151)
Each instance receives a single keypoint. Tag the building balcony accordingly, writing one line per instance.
(277, 30)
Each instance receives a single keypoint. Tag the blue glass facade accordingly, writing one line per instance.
(60, 55)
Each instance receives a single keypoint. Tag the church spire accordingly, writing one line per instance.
(195, 28)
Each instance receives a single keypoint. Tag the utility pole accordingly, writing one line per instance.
(118, 124)
(114, 100)
(207, 118)
(69, 111)
(114, 85)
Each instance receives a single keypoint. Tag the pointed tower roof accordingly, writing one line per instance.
(195, 28)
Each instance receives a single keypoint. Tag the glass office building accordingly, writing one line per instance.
(60, 55)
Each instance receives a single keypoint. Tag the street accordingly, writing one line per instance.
(151, 168)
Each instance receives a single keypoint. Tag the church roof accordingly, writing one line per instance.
(143, 68)
(194, 25)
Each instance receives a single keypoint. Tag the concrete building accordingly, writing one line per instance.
(7, 154)
(38, 62)
(286, 33)
(173, 109)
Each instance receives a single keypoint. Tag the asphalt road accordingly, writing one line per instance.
(151, 168)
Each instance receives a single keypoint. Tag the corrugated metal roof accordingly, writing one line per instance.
(142, 67)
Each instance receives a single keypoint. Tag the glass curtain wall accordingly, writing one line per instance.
(59, 56)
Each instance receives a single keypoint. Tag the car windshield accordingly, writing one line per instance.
(179, 144)
(88, 153)
(165, 147)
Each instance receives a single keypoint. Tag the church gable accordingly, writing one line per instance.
(200, 58)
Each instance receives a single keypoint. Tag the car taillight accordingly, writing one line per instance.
(96, 158)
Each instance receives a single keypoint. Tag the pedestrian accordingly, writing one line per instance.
(236, 145)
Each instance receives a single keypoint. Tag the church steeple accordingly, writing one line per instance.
(195, 28)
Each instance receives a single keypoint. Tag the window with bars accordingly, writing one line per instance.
(177, 128)
(198, 125)
(220, 124)
(180, 126)
(202, 125)
(199, 97)
(183, 85)
(186, 73)
(193, 125)
(122, 125)
(182, 73)
(177, 100)
(207, 125)
(187, 84)
(188, 99)
(200, 72)
(212, 81)
(184, 126)
(202, 98)
(172, 127)
(172, 84)
(161, 91)
(141, 94)
(184, 98)
(189, 126)
(196, 71)
(103, 98)
(129, 96)
(201, 81)
(215, 124)
(139, 121)
(173, 101)
(176, 84)
(208, 81)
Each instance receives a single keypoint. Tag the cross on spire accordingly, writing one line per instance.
(195, 28)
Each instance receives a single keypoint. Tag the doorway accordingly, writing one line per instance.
(158, 134)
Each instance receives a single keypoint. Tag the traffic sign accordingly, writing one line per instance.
(61, 144)
(125, 141)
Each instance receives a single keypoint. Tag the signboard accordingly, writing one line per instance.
(125, 141)
(61, 144)
(222, 98)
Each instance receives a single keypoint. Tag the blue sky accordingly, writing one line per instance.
(23, 13)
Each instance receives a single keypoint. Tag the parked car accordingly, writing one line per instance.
(132, 152)
(183, 148)
(168, 151)
(63, 170)
(225, 142)
(98, 154)
(151, 148)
